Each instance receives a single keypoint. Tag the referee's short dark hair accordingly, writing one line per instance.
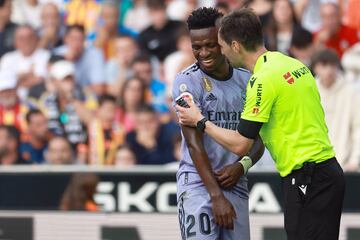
(244, 27)
(204, 17)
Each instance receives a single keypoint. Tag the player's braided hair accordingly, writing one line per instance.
(203, 18)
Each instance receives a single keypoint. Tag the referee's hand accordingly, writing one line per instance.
(189, 116)
(223, 212)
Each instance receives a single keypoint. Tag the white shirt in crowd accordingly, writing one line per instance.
(24, 13)
(341, 102)
(17, 63)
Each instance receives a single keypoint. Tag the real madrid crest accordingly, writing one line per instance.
(207, 84)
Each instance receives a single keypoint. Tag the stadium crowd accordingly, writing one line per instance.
(89, 81)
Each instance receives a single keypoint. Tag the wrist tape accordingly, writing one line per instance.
(246, 162)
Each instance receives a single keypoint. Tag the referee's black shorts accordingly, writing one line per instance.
(313, 198)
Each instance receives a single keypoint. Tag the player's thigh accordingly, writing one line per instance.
(195, 216)
(241, 223)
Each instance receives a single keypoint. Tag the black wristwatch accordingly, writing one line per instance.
(200, 125)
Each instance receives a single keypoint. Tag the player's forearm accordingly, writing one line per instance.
(201, 161)
(205, 171)
(257, 150)
(229, 139)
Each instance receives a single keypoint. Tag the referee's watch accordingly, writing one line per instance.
(200, 125)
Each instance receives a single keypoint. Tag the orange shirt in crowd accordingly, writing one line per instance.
(84, 13)
(14, 116)
(352, 16)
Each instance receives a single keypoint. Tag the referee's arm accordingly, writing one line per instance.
(238, 142)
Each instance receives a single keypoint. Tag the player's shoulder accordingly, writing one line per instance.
(188, 75)
(242, 72)
(187, 79)
(190, 70)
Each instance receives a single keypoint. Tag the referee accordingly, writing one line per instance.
(283, 106)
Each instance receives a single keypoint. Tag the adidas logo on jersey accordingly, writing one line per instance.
(211, 97)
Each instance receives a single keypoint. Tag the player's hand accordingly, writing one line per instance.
(189, 116)
(228, 176)
(223, 211)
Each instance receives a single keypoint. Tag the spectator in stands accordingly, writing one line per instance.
(79, 194)
(160, 38)
(232, 4)
(26, 12)
(350, 62)
(179, 10)
(183, 56)
(352, 17)
(37, 90)
(12, 110)
(132, 96)
(138, 17)
(33, 148)
(262, 8)
(68, 107)
(333, 33)
(51, 31)
(85, 13)
(177, 147)
(281, 26)
(307, 13)
(9, 145)
(156, 89)
(105, 134)
(89, 62)
(107, 33)
(125, 157)
(151, 141)
(7, 28)
(27, 62)
(223, 7)
(340, 100)
(118, 69)
(59, 152)
(301, 46)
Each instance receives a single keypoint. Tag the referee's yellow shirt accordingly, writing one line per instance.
(282, 94)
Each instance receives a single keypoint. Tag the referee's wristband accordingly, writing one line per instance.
(247, 163)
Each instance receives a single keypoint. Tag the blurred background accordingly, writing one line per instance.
(89, 141)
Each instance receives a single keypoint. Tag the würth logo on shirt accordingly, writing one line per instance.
(211, 97)
(288, 77)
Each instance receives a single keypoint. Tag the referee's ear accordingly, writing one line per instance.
(236, 46)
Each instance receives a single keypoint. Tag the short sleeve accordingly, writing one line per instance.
(186, 83)
(260, 97)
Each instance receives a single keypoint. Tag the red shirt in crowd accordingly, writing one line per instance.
(343, 39)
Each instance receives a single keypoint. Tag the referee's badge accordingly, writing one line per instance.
(207, 84)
